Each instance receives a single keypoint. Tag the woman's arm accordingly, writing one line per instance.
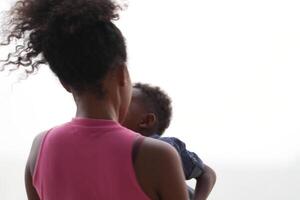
(30, 165)
(159, 171)
(172, 183)
(31, 192)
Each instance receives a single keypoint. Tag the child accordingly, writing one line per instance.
(150, 114)
(81, 159)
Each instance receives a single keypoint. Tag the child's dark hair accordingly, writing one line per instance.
(75, 37)
(158, 102)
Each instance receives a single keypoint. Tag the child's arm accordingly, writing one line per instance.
(191, 163)
(205, 183)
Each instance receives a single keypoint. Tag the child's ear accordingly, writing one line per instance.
(148, 121)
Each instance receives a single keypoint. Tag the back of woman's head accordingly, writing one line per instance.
(75, 37)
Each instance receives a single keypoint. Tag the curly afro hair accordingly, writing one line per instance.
(158, 102)
(76, 38)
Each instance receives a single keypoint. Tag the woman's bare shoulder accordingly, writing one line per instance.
(159, 170)
(35, 150)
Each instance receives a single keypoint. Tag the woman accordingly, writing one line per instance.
(92, 156)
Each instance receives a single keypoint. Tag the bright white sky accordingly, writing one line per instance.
(231, 68)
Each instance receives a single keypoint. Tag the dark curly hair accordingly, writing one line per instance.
(75, 37)
(158, 102)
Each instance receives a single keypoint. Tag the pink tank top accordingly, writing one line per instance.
(87, 159)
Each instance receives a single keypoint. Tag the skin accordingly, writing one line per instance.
(205, 183)
(140, 119)
(157, 165)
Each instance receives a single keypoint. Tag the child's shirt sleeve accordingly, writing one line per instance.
(192, 164)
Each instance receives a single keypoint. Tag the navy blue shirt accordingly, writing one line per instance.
(192, 164)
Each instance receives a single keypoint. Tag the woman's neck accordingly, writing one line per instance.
(89, 106)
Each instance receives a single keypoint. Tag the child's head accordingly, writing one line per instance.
(76, 38)
(150, 110)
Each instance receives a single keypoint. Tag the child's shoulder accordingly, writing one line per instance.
(174, 141)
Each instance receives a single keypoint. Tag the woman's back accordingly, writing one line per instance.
(87, 159)
(87, 52)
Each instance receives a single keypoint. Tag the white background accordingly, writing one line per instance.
(232, 70)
